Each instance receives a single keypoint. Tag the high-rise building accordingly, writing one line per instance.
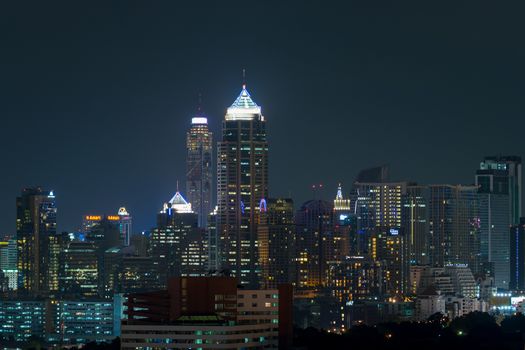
(177, 241)
(344, 226)
(314, 231)
(454, 226)
(122, 221)
(506, 172)
(276, 236)
(80, 269)
(242, 183)
(125, 221)
(494, 214)
(355, 278)
(199, 146)
(415, 223)
(8, 262)
(8, 254)
(37, 241)
(126, 272)
(212, 236)
(517, 256)
(379, 210)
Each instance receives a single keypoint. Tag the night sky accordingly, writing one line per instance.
(95, 99)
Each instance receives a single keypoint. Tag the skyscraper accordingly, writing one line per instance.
(176, 242)
(199, 147)
(415, 224)
(495, 215)
(507, 171)
(314, 231)
(37, 241)
(124, 225)
(379, 209)
(344, 226)
(454, 226)
(276, 238)
(242, 184)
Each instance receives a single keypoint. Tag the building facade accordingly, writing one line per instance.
(208, 312)
(454, 226)
(314, 231)
(276, 238)
(199, 175)
(38, 243)
(242, 183)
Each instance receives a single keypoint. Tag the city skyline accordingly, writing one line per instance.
(108, 116)
(262, 175)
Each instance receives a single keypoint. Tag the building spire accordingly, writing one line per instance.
(339, 192)
(244, 78)
(199, 104)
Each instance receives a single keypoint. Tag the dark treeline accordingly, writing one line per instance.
(476, 330)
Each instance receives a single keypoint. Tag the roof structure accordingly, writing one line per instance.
(243, 108)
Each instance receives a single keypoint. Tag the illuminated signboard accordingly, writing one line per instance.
(394, 231)
(93, 217)
(113, 217)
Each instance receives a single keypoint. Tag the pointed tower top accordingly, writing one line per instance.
(244, 100)
(339, 192)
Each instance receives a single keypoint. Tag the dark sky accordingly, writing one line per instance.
(96, 97)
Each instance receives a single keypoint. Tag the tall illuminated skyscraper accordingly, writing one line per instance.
(37, 241)
(242, 184)
(199, 145)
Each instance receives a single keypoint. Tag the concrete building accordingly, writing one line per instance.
(208, 312)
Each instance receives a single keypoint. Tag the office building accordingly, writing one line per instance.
(242, 182)
(122, 221)
(517, 256)
(379, 211)
(80, 269)
(454, 226)
(276, 238)
(38, 243)
(22, 319)
(80, 321)
(125, 225)
(208, 312)
(344, 228)
(125, 272)
(177, 241)
(502, 174)
(355, 278)
(414, 221)
(199, 175)
(314, 232)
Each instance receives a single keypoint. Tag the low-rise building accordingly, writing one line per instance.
(208, 312)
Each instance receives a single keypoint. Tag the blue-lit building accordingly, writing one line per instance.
(499, 183)
(22, 319)
(84, 320)
(517, 256)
